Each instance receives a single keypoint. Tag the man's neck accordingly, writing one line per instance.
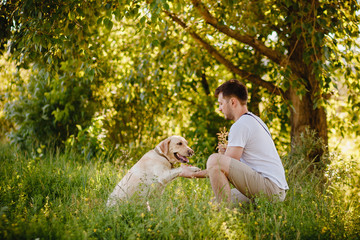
(243, 109)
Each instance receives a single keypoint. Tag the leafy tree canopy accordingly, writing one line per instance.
(150, 67)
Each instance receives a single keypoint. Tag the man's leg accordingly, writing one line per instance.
(251, 183)
(218, 166)
(238, 197)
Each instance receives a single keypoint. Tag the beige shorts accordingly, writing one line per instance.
(249, 184)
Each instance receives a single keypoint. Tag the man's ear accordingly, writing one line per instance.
(234, 101)
(163, 146)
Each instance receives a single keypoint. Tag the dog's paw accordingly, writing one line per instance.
(194, 169)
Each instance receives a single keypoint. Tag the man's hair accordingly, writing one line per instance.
(233, 88)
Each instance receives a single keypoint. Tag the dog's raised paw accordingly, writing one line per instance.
(195, 169)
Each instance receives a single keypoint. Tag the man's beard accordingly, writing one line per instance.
(229, 116)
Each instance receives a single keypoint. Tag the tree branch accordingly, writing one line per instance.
(205, 83)
(244, 74)
(249, 40)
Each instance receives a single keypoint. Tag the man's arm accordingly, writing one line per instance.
(234, 152)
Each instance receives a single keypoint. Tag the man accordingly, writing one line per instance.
(250, 161)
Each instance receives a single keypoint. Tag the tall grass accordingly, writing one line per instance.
(62, 196)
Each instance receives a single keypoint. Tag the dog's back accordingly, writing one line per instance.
(139, 178)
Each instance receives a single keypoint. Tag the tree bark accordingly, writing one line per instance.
(304, 117)
(303, 113)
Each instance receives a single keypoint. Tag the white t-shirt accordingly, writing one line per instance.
(252, 134)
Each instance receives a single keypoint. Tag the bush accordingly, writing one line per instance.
(90, 140)
(301, 163)
(343, 190)
(48, 109)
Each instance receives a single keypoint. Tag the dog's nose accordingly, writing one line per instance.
(190, 152)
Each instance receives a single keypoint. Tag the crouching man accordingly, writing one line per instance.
(250, 161)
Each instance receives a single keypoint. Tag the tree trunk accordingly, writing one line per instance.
(305, 115)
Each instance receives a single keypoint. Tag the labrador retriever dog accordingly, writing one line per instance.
(153, 171)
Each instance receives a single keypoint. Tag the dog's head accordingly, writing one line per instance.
(176, 149)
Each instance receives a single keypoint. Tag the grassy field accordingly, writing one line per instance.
(62, 196)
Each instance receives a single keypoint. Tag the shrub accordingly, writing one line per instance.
(49, 108)
(343, 189)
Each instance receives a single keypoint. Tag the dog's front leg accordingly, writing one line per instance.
(169, 176)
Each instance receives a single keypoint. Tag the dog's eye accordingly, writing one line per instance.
(179, 143)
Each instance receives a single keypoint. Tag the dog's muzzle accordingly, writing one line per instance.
(181, 158)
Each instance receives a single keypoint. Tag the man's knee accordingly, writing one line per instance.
(213, 161)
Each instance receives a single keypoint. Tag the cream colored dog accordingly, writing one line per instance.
(153, 171)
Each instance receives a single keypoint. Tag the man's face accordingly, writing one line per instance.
(225, 107)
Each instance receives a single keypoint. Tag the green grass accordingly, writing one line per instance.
(63, 196)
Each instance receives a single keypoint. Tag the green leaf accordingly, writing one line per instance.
(99, 21)
(166, 6)
(108, 24)
(155, 43)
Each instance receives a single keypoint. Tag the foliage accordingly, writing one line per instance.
(304, 151)
(43, 113)
(297, 43)
(88, 64)
(89, 141)
(149, 68)
(49, 194)
(6, 74)
(61, 51)
(344, 181)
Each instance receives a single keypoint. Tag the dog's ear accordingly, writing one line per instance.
(163, 147)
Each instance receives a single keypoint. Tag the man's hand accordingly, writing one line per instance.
(186, 172)
(222, 148)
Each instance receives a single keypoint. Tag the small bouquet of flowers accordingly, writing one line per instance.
(222, 140)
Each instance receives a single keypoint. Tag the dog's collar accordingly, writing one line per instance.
(163, 155)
